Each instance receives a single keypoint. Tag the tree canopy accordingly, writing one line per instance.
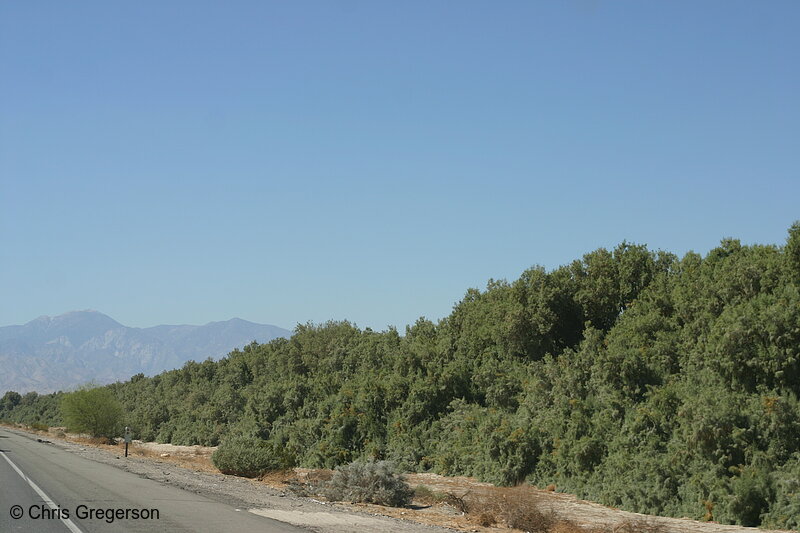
(93, 410)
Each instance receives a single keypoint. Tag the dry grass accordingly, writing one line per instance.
(520, 508)
(280, 477)
(459, 502)
(513, 507)
(423, 495)
(300, 481)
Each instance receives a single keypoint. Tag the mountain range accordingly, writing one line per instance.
(58, 353)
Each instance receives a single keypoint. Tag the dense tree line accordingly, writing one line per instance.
(630, 377)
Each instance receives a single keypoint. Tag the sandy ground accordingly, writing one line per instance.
(276, 495)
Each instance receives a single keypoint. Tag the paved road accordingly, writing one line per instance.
(56, 491)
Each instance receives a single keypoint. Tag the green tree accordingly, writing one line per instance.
(92, 410)
(10, 400)
(792, 252)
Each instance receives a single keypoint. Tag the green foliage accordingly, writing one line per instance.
(92, 410)
(629, 377)
(249, 457)
(31, 408)
(485, 443)
(792, 252)
(369, 482)
(784, 512)
(10, 400)
(750, 495)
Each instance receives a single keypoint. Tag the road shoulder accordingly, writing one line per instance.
(244, 494)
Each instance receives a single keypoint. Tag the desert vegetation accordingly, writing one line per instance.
(517, 508)
(368, 482)
(630, 377)
(248, 457)
(92, 410)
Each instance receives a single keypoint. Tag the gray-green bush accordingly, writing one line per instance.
(368, 482)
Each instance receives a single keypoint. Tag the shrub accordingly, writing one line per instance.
(249, 457)
(92, 410)
(751, 493)
(520, 508)
(460, 503)
(517, 507)
(39, 426)
(784, 513)
(368, 482)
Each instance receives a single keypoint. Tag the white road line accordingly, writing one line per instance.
(67, 522)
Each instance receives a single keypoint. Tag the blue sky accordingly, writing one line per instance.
(183, 162)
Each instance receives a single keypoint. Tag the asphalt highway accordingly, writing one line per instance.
(46, 489)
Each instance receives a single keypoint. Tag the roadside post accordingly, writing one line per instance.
(127, 439)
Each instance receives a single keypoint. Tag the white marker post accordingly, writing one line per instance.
(127, 439)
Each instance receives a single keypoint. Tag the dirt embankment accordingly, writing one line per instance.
(455, 503)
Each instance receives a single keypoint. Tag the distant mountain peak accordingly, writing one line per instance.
(234, 320)
(88, 314)
(51, 353)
